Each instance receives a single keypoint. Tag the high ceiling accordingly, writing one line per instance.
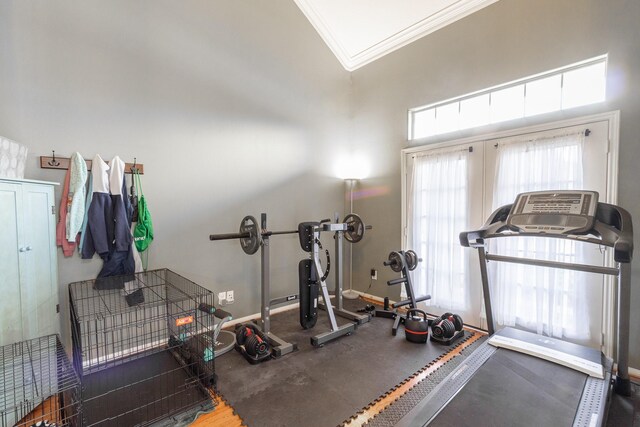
(361, 31)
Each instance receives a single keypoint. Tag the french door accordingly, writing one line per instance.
(440, 200)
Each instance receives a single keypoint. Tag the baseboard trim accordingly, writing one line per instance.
(255, 316)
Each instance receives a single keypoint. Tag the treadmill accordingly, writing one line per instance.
(518, 378)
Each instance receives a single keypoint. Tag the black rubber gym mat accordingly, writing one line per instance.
(393, 413)
(321, 386)
(144, 396)
(509, 390)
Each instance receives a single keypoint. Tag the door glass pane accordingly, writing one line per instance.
(439, 210)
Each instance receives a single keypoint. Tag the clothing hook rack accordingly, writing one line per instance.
(54, 162)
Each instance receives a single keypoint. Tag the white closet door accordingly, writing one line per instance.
(39, 272)
(28, 263)
(10, 227)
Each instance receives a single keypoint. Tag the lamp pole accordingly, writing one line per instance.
(350, 293)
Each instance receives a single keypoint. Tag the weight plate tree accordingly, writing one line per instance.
(399, 262)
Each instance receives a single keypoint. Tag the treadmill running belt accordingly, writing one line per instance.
(514, 389)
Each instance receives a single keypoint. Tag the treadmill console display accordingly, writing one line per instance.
(554, 212)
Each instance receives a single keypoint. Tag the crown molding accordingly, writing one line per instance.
(404, 36)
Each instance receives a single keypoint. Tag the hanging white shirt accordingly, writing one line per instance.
(116, 175)
(100, 174)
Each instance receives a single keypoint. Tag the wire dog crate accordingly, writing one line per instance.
(38, 384)
(145, 358)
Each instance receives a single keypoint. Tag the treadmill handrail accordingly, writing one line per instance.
(613, 228)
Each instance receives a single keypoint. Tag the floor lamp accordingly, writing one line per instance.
(350, 293)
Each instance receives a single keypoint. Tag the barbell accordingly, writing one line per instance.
(251, 236)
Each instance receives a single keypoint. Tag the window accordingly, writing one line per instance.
(568, 87)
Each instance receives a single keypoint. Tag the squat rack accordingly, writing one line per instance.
(253, 237)
(340, 228)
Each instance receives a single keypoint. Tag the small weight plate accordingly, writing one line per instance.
(396, 261)
(355, 228)
(252, 243)
(412, 259)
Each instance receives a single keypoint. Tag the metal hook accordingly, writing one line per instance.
(53, 161)
(133, 167)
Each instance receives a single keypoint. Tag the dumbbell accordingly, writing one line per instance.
(446, 326)
(243, 332)
(249, 337)
(256, 346)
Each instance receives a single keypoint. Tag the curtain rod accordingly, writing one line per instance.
(585, 132)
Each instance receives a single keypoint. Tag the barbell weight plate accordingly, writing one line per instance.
(396, 262)
(355, 228)
(412, 259)
(250, 244)
(408, 256)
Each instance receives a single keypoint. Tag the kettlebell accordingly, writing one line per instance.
(416, 328)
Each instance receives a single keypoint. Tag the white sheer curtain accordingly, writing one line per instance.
(549, 301)
(437, 213)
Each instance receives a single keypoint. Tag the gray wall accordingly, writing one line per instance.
(232, 107)
(505, 41)
(236, 107)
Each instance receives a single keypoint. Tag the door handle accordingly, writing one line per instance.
(29, 248)
(22, 249)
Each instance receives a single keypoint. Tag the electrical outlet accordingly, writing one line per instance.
(222, 297)
(229, 297)
(374, 274)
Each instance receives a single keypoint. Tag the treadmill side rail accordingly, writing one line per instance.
(595, 398)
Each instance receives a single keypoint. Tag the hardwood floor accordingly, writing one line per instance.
(222, 416)
(46, 411)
